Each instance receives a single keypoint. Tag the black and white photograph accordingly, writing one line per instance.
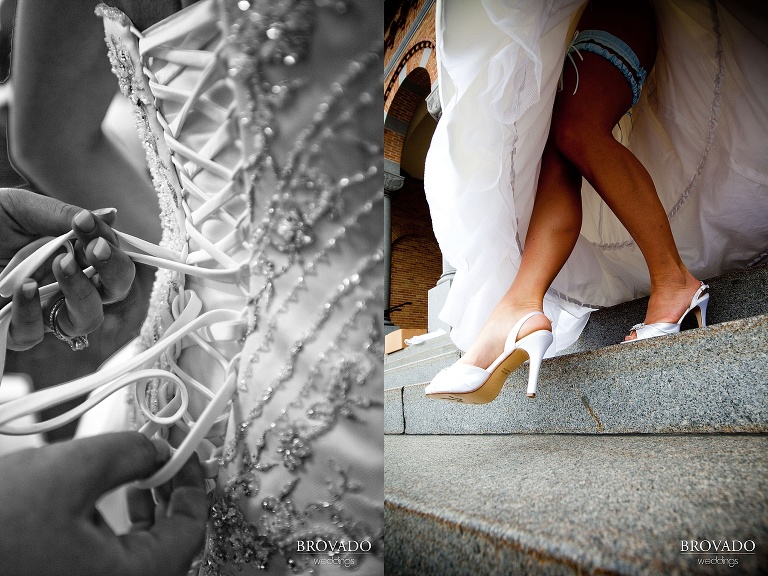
(191, 235)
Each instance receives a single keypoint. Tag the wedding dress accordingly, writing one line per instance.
(262, 346)
(700, 128)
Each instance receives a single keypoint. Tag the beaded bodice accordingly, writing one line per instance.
(270, 197)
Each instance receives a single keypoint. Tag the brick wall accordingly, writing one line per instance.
(393, 145)
(423, 37)
(401, 103)
(412, 277)
(416, 260)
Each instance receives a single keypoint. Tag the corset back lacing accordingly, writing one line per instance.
(209, 240)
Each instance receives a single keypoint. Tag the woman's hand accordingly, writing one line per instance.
(26, 216)
(49, 524)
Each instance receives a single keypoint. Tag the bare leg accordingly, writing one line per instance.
(583, 135)
(581, 143)
(552, 233)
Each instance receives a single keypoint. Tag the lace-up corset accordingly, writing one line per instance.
(288, 238)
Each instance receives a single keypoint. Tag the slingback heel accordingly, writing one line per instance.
(472, 385)
(698, 306)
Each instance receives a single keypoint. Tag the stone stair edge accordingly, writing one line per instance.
(614, 348)
(422, 357)
(424, 516)
(464, 523)
(732, 298)
(613, 403)
(421, 362)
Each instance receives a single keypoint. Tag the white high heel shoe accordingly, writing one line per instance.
(698, 306)
(472, 385)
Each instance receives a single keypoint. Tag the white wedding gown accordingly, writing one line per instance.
(700, 128)
(259, 124)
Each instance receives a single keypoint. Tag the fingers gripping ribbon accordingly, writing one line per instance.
(188, 326)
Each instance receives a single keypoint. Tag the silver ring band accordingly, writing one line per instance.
(77, 343)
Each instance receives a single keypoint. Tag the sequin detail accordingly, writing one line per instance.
(133, 85)
(312, 349)
(130, 81)
(104, 11)
(331, 384)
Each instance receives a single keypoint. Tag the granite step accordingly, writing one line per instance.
(735, 295)
(573, 504)
(713, 379)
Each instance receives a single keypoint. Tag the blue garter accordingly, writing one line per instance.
(609, 46)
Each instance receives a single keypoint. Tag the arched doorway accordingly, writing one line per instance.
(416, 262)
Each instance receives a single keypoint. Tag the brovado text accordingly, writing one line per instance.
(333, 546)
(706, 546)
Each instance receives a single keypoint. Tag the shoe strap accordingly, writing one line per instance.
(655, 325)
(645, 331)
(511, 342)
(696, 300)
(698, 296)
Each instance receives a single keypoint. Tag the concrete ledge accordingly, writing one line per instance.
(420, 356)
(709, 380)
(393, 414)
(561, 504)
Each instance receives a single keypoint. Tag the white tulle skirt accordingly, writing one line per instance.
(700, 128)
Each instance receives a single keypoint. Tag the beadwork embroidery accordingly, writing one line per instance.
(128, 80)
(291, 222)
(284, 524)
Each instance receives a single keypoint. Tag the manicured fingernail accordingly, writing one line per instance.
(101, 249)
(29, 289)
(84, 220)
(68, 265)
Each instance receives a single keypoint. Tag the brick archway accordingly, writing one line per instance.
(410, 93)
(410, 69)
(417, 56)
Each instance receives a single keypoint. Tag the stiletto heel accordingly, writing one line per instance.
(701, 312)
(698, 306)
(472, 385)
(535, 345)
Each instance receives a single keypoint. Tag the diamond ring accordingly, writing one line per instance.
(77, 343)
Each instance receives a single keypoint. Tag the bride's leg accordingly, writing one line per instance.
(552, 233)
(583, 124)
